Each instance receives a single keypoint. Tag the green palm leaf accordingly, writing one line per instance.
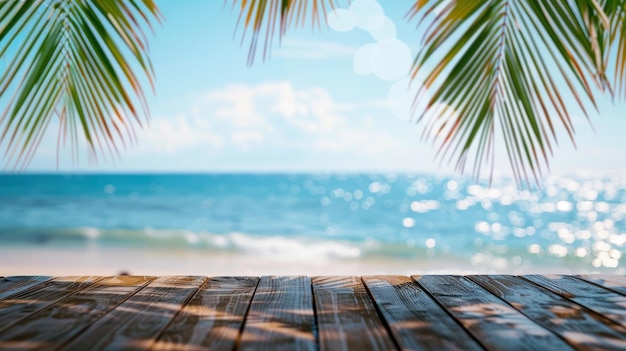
(616, 41)
(270, 18)
(73, 60)
(513, 66)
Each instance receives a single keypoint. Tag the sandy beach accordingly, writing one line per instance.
(99, 261)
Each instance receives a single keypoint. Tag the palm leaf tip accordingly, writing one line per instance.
(264, 20)
(77, 61)
(507, 67)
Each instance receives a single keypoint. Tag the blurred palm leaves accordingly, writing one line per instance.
(270, 18)
(517, 66)
(520, 68)
(74, 60)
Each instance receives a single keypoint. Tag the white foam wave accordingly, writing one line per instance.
(288, 248)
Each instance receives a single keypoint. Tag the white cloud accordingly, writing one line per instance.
(264, 105)
(359, 142)
(277, 122)
(175, 134)
(323, 110)
(287, 102)
(246, 138)
(312, 50)
(236, 106)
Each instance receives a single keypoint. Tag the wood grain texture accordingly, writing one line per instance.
(495, 324)
(280, 316)
(416, 321)
(600, 300)
(213, 317)
(581, 328)
(273, 313)
(346, 316)
(137, 322)
(56, 324)
(18, 306)
(15, 285)
(613, 282)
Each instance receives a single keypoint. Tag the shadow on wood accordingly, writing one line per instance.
(346, 317)
(551, 312)
(280, 316)
(213, 318)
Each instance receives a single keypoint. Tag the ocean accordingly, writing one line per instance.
(308, 224)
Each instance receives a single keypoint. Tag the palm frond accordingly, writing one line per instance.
(616, 41)
(267, 19)
(519, 67)
(73, 60)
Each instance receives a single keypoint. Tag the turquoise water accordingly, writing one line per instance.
(572, 220)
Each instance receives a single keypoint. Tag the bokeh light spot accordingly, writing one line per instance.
(341, 20)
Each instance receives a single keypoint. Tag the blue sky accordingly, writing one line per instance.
(320, 103)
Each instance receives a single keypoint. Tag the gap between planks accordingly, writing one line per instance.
(326, 313)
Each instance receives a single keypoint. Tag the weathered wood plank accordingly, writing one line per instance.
(280, 316)
(137, 322)
(600, 300)
(613, 282)
(416, 321)
(15, 285)
(213, 317)
(346, 316)
(495, 324)
(18, 306)
(56, 324)
(581, 328)
(587, 311)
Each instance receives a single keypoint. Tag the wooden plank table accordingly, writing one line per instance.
(431, 312)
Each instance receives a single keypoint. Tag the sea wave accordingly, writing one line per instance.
(276, 246)
(292, 248)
